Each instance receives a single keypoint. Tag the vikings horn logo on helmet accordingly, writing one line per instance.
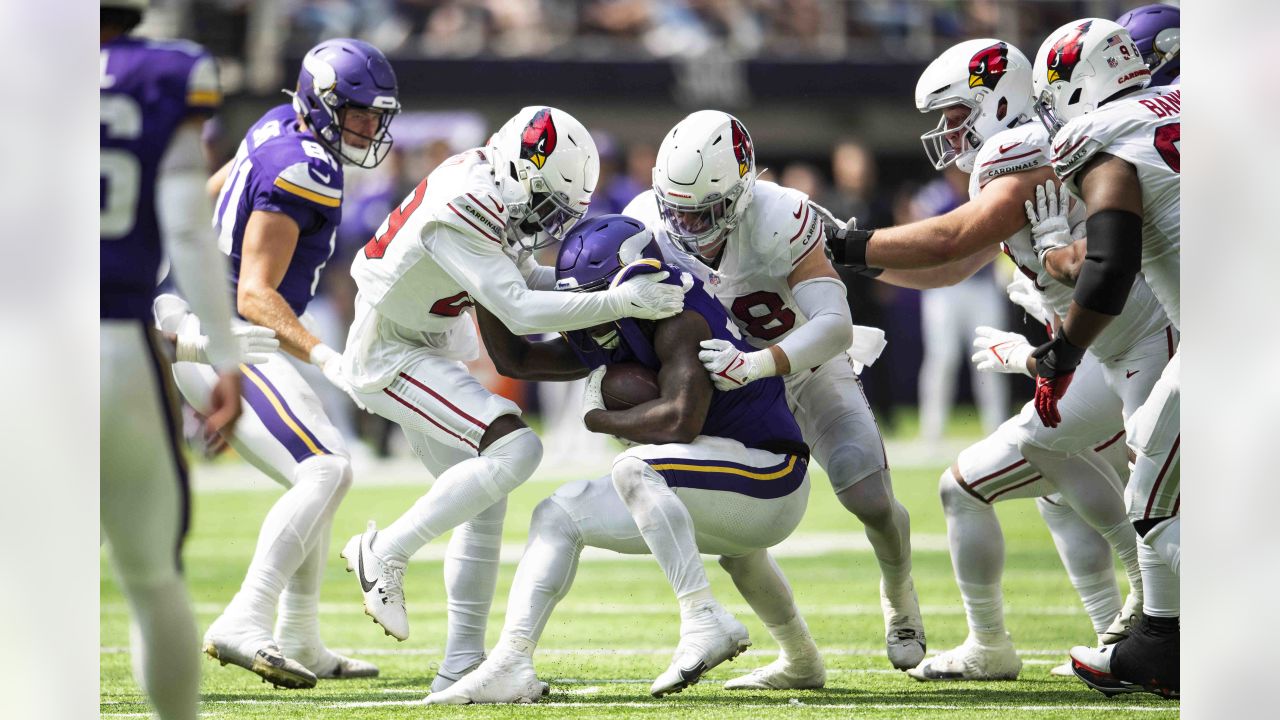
(741, 147)
(1065, 54)
(539, 138)
(988, 65)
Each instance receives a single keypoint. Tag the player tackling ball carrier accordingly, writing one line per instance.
(465, 236)
(710, 471)
(756, 247)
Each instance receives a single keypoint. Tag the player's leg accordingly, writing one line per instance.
(985, 305)
(452, 419)
(470, 579)
(144, 511)
(766, 590)
(939, 314)
(836, 420)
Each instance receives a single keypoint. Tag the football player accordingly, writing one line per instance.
(465, 235)
(709, 471)
(982, 91)
(752, 244)
(279, 204)
(1156, 30)
(155, 96)
(1116, 145)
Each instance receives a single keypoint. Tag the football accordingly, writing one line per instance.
(626, 385)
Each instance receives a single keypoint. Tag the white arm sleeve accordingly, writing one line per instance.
(538, 277)
(183, 211)
(494, 281)
(829, 330)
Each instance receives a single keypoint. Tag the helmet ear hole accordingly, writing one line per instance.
(1002, 108)
(1075, 97)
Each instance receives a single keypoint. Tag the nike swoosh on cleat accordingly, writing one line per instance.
(694, 673)
(1131, 373)
(364, 584)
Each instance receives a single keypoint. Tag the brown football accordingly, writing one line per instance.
(626, 385)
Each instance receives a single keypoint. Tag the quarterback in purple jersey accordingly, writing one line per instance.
(709, 471)
(154, 97)
(278, 206)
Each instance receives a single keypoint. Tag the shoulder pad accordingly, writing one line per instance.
(643, 208)
(463, 194)
(785, 225)
(313, 180)
(1076, 143)
(1009, 151)
(476, 215)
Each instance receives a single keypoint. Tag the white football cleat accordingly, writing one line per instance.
(445, 679)
(1063, 670)
(783, 674)
(971, 661)
(381, 583)
(903, 628)
(709, 638)
(508, 678)
(256, 652)
(1129, 616)
(329, 665)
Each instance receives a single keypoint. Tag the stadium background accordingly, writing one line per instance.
(824, 86)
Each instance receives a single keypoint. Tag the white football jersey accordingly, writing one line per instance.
(1145, 130)
(1026, 147)
(776, 232)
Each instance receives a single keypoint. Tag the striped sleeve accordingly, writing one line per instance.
(310, 181)
(203, 92)
(997, 158)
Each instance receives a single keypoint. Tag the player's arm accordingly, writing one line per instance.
(214, 184)
(945, 275)
(678, 414)
(1063, 264)
(270, 239)
(522, 359)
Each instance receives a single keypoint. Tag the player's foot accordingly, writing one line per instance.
(326, 664)
(1146, 661)
(1063, 670)
(783, 674)
(1129, 616)
(709, 637)
(903, 627)
(505, 678)
(381, 583)
(255, 651)
(445, 679)
(971, 661)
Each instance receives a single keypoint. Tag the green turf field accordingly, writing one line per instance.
(616, 629)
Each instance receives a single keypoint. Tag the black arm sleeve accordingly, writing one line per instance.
(1112, 262)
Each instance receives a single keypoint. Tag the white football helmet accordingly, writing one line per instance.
(1082, 64)
(703, 179)
(556, 165)
(990, 77)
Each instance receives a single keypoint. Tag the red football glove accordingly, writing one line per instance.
(1048, 392)
(1056, 363)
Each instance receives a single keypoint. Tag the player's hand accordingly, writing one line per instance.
(255, 345)
(1024, 295)
(224, 405)
(846, 242)
(730, 368)
(646, 297)
(592, 396)
(999, 351)
(330, 363)
(1056, 363)
(1050, 228)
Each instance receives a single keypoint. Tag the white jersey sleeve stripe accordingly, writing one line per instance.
(476, 227)
(803, 224)
(484, 207)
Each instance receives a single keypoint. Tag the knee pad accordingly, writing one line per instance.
(847, 466)
(869, 498)
(331, 472)
(1049, 508)
(517, 455)
(955, 498)
(549, 519)
(630, 473)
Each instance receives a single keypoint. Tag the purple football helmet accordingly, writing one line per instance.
(596, 250)
(1155, 31)
(346, 74)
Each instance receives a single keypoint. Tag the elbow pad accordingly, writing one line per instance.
(1112, 262)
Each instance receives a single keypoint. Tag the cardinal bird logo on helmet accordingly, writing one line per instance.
(988, 65)
(1065, 54)
(538, 139)
(742, 150)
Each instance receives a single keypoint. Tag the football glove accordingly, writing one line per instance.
(1050, 228)
(330, 363)
(592, 396)
(730, 368)
(846, 242)
(1056, 363)
(1024, 295)
(998, 351)
(646, 297)
(256, 345)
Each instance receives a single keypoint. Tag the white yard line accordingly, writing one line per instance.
(667, 707)
(754, 653)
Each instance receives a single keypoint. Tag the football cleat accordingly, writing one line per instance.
(903, 628)
(1063, 670)
(1093, 667)
(971, 661)
(329, 665)
(783, 674)
(445, 679)
(708, 638)
(508, 678)
(381, 583)
(250, 649)
(1129, 616)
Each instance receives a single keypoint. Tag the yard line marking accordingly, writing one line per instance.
(623, 652)
(666, 707)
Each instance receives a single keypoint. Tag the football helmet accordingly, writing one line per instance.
(1080, 66)
(703, 180)
(1155, 30)
(554, 161)
(990, 77)
(340, 74)
(135, 5)
(596, 251)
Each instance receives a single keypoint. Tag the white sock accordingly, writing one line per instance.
(664, 522)
(544, 574)
(470, 577)
(1161, 596)
(164, 643)
(462, 492)
(794, 640)
(287, 534)
(977, 557)
(885, 521)
(298, 621)
(1087, 557)
(1166, 540)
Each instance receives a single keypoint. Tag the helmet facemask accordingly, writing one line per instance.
(544, 220)
(937, 146)
(377, 146)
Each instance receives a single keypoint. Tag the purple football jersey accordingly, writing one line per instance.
(281, 168)
(148, 88)
(755, 415)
